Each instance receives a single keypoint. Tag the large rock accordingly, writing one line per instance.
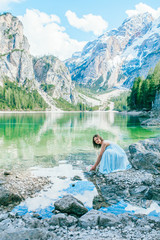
(94, 218)
(7, 197)
(146, 155)
(134, 186)
(108, 219)
(62, 220)
(90, 219)
(71, 205)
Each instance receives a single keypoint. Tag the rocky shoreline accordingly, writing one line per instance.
(16, 186)
(92, 226)
(153, 118)
(139, 186)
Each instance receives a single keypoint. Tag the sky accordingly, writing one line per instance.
(62, 27)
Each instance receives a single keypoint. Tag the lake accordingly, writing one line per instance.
(59, 145)
(45, 139)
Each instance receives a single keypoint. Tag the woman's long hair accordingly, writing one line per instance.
(95, 145)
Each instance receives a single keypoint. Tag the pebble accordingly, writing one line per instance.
(77, 233)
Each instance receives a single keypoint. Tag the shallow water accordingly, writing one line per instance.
(44, 139)
(84, 190)
(60, 145)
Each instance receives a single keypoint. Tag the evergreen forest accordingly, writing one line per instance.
(13, 97)
(144, 91)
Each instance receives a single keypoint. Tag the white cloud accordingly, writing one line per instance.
(142, 8)
(4, 4)
(47, 36)
(88, 23)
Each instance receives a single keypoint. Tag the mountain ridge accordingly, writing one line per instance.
(118, 56)
(18, 65)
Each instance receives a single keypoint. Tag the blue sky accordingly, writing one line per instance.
(71, 22)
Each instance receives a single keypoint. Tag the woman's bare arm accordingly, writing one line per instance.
(103, 148)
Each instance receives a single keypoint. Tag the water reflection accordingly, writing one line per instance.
(84, 190)
(46, 138)
(62, 184)
(61, 144)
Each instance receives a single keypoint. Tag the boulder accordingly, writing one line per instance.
(90, 219)
(71, 205)
(94, 218)
(62, 220)
(108, 219)
(134, 186)
(7, 197)
(145, 155)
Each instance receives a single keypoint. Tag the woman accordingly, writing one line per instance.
(111, 158)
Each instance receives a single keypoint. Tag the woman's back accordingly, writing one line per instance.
(113, 159)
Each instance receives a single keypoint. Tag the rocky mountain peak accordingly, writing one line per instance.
(136, 22)
(110, 60)
(11, 34)
(50, 71)
(47, 74)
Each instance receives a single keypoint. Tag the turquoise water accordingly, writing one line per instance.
(45, 139)
(59, 145)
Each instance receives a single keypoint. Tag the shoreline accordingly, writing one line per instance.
(18, 185)
(136, 113)
(136, 186)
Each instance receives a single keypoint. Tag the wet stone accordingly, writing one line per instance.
(76, 178)
(6, 173)
(71, 205)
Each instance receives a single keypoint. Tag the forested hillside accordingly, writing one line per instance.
(144, 91)
(13, 97)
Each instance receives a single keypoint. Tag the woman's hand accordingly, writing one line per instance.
(93, 168)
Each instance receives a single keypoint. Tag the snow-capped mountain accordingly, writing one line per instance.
(118, 56)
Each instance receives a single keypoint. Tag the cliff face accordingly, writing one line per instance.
(17, 64)
(118, 56)
(51, 71)
(15, 59)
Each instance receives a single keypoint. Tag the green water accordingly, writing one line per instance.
(45, 139)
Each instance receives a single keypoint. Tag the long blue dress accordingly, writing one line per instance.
(113, 159)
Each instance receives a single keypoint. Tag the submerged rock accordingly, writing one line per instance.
(62, 177)
(7, 173)
(71, 205)
(76, 178)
